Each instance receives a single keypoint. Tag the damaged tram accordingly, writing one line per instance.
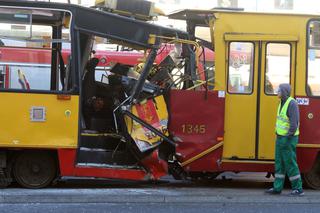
(180, 116)
(83, 122)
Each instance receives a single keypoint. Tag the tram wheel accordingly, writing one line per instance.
(34, 169)
(312, 178)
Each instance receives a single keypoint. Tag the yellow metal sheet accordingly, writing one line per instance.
(59, 130)
(247, 161)
(240, 125)
(267, 136)
(311, 146)
(259, 37)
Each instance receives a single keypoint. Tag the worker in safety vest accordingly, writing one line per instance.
(287, 130)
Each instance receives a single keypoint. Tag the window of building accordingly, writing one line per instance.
(170, 1)
(203, 33)
(283, 4)
(240, 77)
(313, 59)
(227, 3)
(278, 61)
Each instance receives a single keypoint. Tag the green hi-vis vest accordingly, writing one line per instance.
(283, 123)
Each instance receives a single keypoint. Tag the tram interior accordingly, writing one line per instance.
(46, 38)
(104, 137)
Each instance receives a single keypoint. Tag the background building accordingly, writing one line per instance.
(309, 6)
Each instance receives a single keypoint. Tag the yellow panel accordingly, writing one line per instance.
(311, 146)
(247, 161)
(240, 124)
(59, 130)
(267, 137)
(259, 37)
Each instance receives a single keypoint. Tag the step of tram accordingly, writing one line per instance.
(101, 141)
(105, 165)
(104, 156)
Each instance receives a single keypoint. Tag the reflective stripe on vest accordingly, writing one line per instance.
(283, 123)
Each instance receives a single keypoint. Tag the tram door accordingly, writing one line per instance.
(277, 66)
(255, 68)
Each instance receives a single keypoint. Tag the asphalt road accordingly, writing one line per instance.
(242, 192)
(160, 208)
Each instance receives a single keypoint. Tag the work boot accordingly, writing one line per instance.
(297, 192)
(271, 191)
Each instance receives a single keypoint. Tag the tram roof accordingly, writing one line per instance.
(101, 23)
(200, 17)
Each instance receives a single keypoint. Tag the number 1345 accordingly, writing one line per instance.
(193, 129)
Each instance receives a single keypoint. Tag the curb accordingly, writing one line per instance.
(147, 196)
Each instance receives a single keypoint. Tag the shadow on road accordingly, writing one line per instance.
(226, 180)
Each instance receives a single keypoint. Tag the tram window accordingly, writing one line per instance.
(27, 68)
(101, 74)
(277, 66)
(28, 45)
(313, 63)
(240, 77)
(26, 77)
